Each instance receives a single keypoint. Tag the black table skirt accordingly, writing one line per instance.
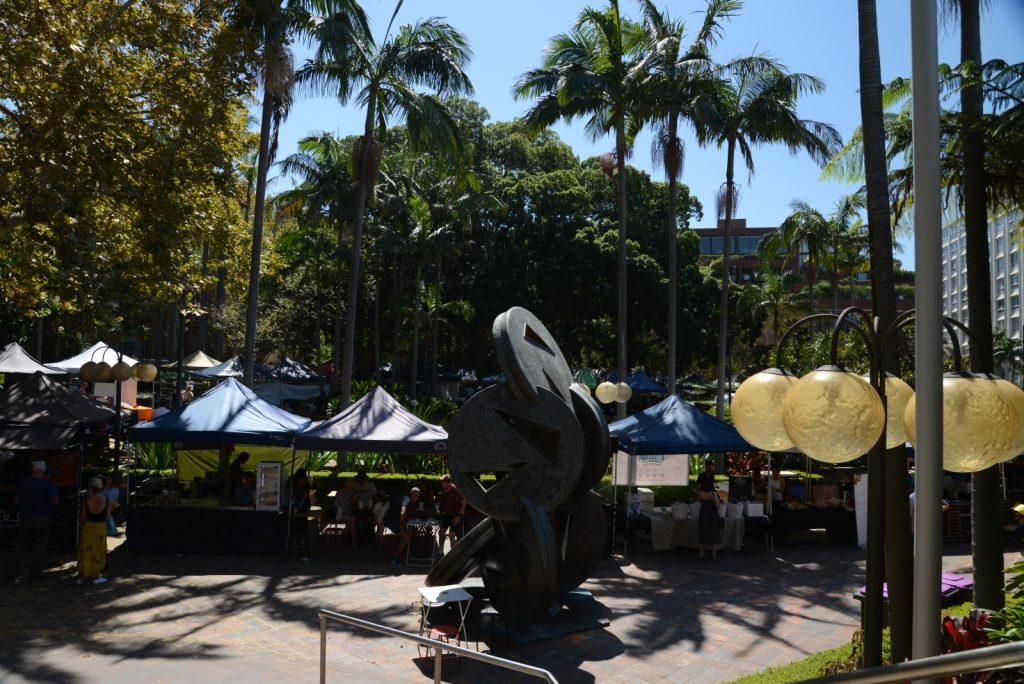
(180, 529)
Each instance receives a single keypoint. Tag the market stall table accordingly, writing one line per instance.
(668, 532)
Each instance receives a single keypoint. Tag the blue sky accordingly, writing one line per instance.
(818, 37)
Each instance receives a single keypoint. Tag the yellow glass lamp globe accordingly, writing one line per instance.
(121, 371)
(832, 415)
(897, 394)
(146, 372)
(978, 425)
(88, 371)
(581, 387)
(623, 392)
(757, 409)
(1014, 396)
(606, 392)
(102, 372)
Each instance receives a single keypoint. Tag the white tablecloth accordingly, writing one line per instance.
(668, 533)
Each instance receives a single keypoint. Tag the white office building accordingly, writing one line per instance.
(1005, 248)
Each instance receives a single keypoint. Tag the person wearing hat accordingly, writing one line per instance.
(37, 498)
(92, 544)
(1015, 528)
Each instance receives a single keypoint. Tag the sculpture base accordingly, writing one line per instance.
(574, 612)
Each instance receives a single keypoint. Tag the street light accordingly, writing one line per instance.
(833, 415)
(609, 392)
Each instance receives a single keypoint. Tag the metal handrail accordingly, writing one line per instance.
(438, 646)
(977, 660)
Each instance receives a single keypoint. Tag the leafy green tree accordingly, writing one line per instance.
(755, 104)
(674, 91)
(384, 76)
(592, 72)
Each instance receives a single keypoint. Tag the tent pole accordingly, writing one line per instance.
(768, 498)
(288, 528)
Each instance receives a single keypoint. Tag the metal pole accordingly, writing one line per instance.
(117, 429)
(928, 329)
(438, 665)
(323, 649)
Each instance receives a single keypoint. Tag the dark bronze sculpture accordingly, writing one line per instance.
(547, 444)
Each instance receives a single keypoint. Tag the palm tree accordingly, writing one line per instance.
(768, 292)
(803, 234)
(322, 162)
(383, 76)
(273, 26)
(674, 87)
(592, 72)
(1007, 354)
(755, 104)
(887, 467)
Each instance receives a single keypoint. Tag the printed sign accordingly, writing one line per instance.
(653, 469)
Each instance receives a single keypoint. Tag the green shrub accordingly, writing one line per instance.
(154, 455)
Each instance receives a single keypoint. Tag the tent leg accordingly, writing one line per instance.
(288, 527)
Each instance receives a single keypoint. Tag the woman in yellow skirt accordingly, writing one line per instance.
(92, 543)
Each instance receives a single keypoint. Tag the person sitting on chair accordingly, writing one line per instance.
(343, 513)
(397, 520)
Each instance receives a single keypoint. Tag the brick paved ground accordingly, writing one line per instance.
(168, 618)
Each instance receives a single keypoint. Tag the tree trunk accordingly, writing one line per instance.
(673, 228)
(219, 298)
(620, 154)
(723, 318)
(396, 358)
(888, 472)
(417, 303)
(986, 532)
(204, 303)
(376, 330)
(253, 299)
(366, 176)
(317, 315)
(339, 289)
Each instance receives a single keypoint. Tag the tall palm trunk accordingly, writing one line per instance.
(396, 361)
(835, 282)
(253, 299)
(376, 330)
(723, 318)
(417, 304)
(339, 288)
(986, 530)
(888, 490)
(673, 196)
(317, 313)
(620, 154)
(366, 173)
(220, 297)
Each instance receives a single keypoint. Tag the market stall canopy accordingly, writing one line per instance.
(39, 413)
(278, 392)
(639, 381)
(14, 359)
(232, 368)
(377, 422)
(197, 360)
(230, 412)
(97, 352)
(290, 370)
(674, 426)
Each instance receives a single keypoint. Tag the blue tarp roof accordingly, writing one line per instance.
(378, 423)
(674, 426)
(639, 381)
(230, 412)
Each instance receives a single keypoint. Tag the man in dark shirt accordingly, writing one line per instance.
(453, 510)
(37, 498)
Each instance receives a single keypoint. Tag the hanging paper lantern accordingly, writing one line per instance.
(757, 409)
(832, 415)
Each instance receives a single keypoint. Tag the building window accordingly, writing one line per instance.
(1001, 286)
(1014, 259)
(1014, 280)
(1000, 307)
(1001, 265)
(1015, 304)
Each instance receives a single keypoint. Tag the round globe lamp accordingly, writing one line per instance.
(146, 372)
(623, 392)
(1014, 396)
(757, 409)
(88, 371)
(978, 425)
(121, 371)
(897, 394)
(832, 415)
(606, 392)
(102, 371)
(581, 387)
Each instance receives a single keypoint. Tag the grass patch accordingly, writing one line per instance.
(808, 668)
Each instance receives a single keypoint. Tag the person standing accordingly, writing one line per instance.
(113, 494)
(235, 476)
(37, 498)
(92, 545)
(453, 511)
(708, 532)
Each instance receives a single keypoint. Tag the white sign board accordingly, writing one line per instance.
(651, 469)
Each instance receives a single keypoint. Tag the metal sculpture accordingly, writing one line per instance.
(547, 444)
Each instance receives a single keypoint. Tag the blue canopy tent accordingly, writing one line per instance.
(639, 381)
(674, 426)
(230, 413)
